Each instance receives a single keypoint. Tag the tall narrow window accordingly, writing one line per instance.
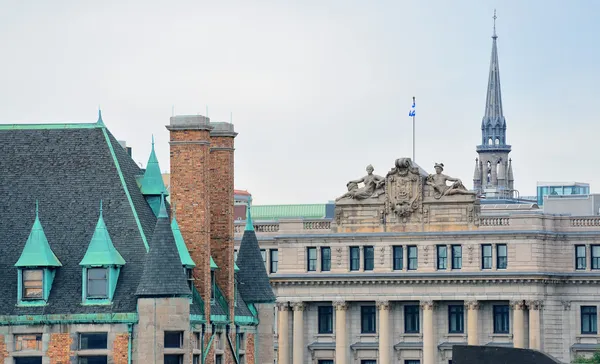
(412, 257)
(398, 256)
(212, 285)
(325, 259)
(311, 264)
(580, 257)
(273, 260)
(501, 319)
(501, 256)
(456, 319)
(486, 256)
(595, 256)
(354, 258)
(589, 320)
(442, 256)
(97, 283)
(368, 315)
(456, 257)
(411, 319)
(325, 319)
(369, 257)
(235, 254)
(263, 253)
(33, 280)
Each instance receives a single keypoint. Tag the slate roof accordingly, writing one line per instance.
(69, 169)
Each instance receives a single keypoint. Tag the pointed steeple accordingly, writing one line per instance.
(184, 254)
(152, 183)
(477, 173)
(100, 121)
(249, 223)
(101, 250)
(510, 171)
(37, 252)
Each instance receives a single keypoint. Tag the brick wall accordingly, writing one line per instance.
(120, 349)
(190, 155)
(59, 349)
(250, 352)
(3, 351)
(210, 358)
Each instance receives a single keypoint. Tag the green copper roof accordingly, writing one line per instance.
(213, 265)
(37, 252)
(184, 254)
(235, 267)
(276, 212)
(101, 250)
(249, 223)
(153, 184)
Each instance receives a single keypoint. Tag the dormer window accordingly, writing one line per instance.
(33, 284)
(97, 283)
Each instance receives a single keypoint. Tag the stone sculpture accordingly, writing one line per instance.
(373, 186)
(438, 182)
(404, 188)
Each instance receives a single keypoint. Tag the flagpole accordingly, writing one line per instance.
(413, 141)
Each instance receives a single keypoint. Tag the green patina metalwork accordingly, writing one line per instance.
(113, 278)
(124, 185)
(184, 254)
(236, 268)
(101, 251)
(213, 265)
(249, 224)
(276, 212)
(152, 183)
(222, 302)
(37, 252)
(95, 318)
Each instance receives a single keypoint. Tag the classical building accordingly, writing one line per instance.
(98, 268)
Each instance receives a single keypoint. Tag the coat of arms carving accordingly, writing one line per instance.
(403, 189)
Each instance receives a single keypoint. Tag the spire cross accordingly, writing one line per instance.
(494, 17)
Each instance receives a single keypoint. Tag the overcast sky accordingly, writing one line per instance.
(318, 89)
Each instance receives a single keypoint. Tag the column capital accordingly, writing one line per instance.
(282, 306)
(472, 305)
(340, 305)
(427, 305)
(298, 306)
(566, 305)
(535, 304)
(383, 305)
(517, 305)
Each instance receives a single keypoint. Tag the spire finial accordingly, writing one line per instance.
(163, 209)
(100, 207)
(36, 208)
(100, 121)
(152, 141)
(494, 17)
(249, 223)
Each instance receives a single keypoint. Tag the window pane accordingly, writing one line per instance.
(312, 259)
(456, 257)
(274, 256)
(441, 257)
(173, 359)
(455, 319)
(325, 319)
(486, 256)
(412, 258)
(97, 283)
(354, 258)
(173, 339)
(501, 323)
(589, 320)
(33, 283)
(368, 317)
(411, 319)
(28, 360)
(502, 256)
(369, 257)
(398, 257)
(325, 259)
(92, 359)
(93, 340)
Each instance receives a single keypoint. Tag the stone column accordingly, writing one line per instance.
(341, 347)
(298, 350)
(283, 330)
(535, 341)
(384, 331)
(472, 322)
(518, 324)
(429, 347)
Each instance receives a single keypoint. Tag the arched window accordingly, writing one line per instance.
(497, 141)
(490, 141)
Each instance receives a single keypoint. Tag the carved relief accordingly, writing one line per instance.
(382, 255)
(517, 305)
(282, 306)
(535, 305)
(427, 305)
(339, 256)
(372, 187)
(438, 182)
(426, 254)
(403, 189)
(470, 249)
(383, 305)
(472, 305)
(340, 305)
(566, 305)
(298, 306)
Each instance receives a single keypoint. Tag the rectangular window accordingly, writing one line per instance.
(501, 319)
(486, 256)
(25, 342)
(325, 319)
(33, 283)
(442, 256)
(28, 360)
(325, 259)
(242, 359)
(412, 257)
(241, 338)
(580, 257)
(368, 317)
(411, 319)
(218, 359)
(456, 319)
(412, 362)
(311, 263)
(212, 285)
(173, 339)
(595, 256)
(589, 320)
(501, 256)
(97, 283)
(235, 254)
(173, 359)
(398, 256)
(369, 258)
(95, 359)
(327, 361)
(354, 258)
(263, 254)
(93, 340)
(273, 260)
(368, 361)
(456, 257)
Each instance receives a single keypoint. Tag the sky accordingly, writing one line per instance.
(317, 89)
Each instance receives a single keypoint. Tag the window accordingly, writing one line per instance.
(273, 260)
(411, 319)
(580, 257)
(241, 341)
(242, 359)
(412, 362)
(311, 264)
(595, 256)
(354, 258)
(173, 359)
(325, 361)
(456, 316)
(589, 320)
(486, 256)
(212, 285)
(218, 359)
(456, 257)
(33, 280)
(28, 360)
(501, 256)
(325, 259)
(28, 342)
(368, 362)
(398, 256)
(97, 283)
(93, 340)
(263, 254)
(501, 319)
(442, 256)
(235, 254)
(368, 319)
(412, 257)
(325, 319)
(95, 359)
(369, 258)
(173, 339)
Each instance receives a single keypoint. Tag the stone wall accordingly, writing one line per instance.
(265, 352)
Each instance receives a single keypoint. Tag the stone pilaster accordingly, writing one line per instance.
(341, 347)
(298, 349)
(384, 331)
(518, 324)
(535, 308)
(429, 346)
(472, 322)
(283, 328)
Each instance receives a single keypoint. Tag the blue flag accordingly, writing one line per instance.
(412, 111)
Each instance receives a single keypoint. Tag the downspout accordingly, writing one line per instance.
(212, 336)
(235, 358)
(129, 344)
